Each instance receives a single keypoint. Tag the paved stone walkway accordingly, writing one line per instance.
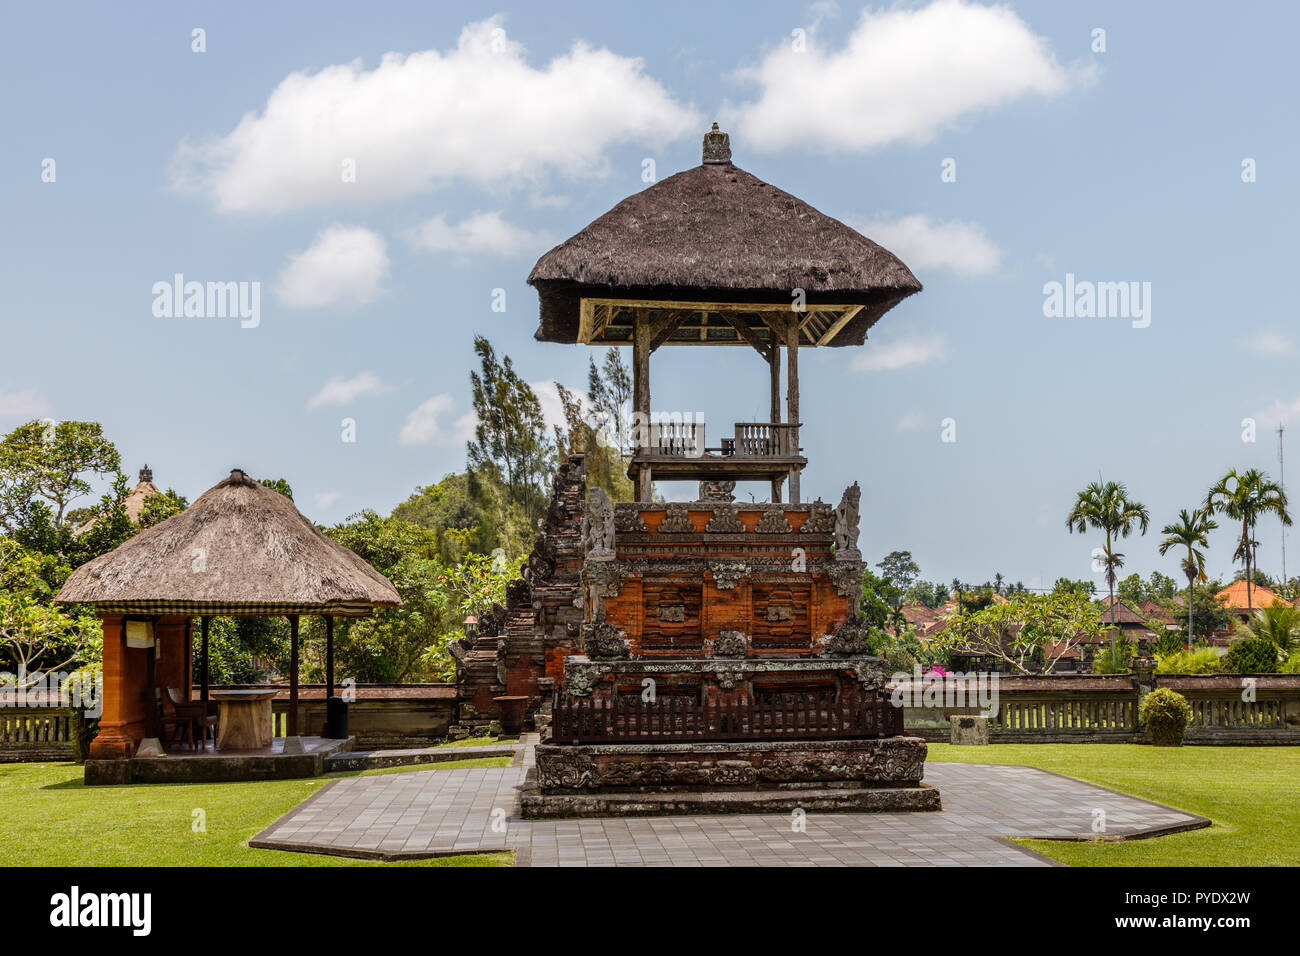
(437, 812)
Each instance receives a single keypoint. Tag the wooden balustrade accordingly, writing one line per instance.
(676, 439)
(766, 440)
(39, 733)
(801, 716)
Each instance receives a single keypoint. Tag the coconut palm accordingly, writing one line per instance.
(1247, 496)
(1278, 623)
(1105, 506)
(1190, 531)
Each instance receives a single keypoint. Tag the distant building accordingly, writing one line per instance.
(134, 503)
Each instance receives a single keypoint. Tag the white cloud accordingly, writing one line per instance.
(341, 391)
(426, 424)
(478, 113)
(484, 233)
(923, 243)
(1279, 413)
(25, 405)
(903, 74)
(548, 396)
(344, 265)
(900, 353)
(1270, 343)
(910, 422)
(326, 499)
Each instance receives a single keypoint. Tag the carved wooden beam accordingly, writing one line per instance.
(745, 332)
(661, 329)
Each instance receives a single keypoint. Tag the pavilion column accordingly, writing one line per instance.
(792, 398)
(293, 676)
(641, 398)
(329, 656)
(203, 677)
(774, 367)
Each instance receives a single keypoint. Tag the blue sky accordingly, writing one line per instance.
(1115, 166)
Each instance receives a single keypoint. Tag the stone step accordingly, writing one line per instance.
(373, 759)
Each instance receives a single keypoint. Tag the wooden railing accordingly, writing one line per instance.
(1103, 713)
(803, 716)
(766, 440)
(676, 439)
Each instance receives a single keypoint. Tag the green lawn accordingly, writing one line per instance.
(478, 741)
(468, 764)
(52, 819)
(1251, 793)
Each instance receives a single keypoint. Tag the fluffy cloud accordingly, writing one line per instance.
(344, 265)
(24, 405)
(482, 234)
(903, 74)
(341, 391)
(426, 424)
(324, 500)
(1270, 343)
(900, 353)
(478, 113)
(910, 422)
(923, 243)
(1279, 413)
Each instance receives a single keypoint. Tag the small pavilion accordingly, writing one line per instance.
(714, 256)
(240, 550)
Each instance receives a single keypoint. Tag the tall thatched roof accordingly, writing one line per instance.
(133, 503)
(240, 549)
(716, 233)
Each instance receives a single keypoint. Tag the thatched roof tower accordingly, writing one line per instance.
(241, 549)
(710, 235)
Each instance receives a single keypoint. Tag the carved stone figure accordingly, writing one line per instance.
(604, 641)
(598, 526)
(727, 576)
(628, 520)
(846, 525)
(773, 522)
(725, 521)
(717, 490)
(676, 521)
(730, 644)
(849, 638)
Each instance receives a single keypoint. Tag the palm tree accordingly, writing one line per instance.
(1245, 497)
(999, 583)
(1190, 531)
(1106, 506)
(1279, 623)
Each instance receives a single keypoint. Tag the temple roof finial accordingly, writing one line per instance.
(717, 146)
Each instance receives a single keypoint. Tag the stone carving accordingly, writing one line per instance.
(604, 641)
(676, 521)
(604, 577)
(730, 644)
(847, 578)
(628, 520)
(773, 522)
(518, 592)
(598, 526)
(728, 677)
(727, 576)
(725, 521)
(779, 612)
(717, 491)
(580, 679)
(491, 622)
(849, 638)
(672, 613)
(870, 672)
(846, 525)
(733, 773)
(821, 520)
(567, 770)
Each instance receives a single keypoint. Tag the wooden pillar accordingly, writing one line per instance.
(203, 686)
(774, 361)
(792, 398)
(329, 656)
(293, 676)
(641, 395)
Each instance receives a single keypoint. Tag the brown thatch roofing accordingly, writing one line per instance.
(133, 503)
(716, 233)
(240, 549)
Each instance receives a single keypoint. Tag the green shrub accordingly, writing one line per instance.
(1251, 655)
(1292, 665)
(1108, 661)
(1200, 661)
(1165, 714)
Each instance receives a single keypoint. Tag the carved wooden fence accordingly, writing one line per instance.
(802, 716)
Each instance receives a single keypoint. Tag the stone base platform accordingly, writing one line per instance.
(733, 777)
(213, 766)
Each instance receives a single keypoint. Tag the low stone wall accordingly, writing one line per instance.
(1241, 709)
(39, 733)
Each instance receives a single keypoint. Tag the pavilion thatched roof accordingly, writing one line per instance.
(240, 549)
(716, 233)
